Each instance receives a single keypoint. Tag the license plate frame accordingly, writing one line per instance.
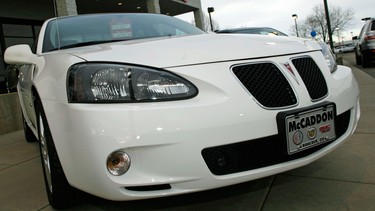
(308, 128)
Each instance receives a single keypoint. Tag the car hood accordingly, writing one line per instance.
(191, 50)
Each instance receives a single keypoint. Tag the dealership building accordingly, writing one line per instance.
(21, 21)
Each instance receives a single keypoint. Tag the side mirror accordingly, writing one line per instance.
(19, 54)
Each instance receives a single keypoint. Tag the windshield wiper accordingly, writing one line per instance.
(90, 43)
(95, 42)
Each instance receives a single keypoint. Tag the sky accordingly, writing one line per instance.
(278, 13)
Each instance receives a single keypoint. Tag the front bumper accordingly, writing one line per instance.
(165, 140)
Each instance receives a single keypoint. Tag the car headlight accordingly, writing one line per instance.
(329, 57)
(106, 83)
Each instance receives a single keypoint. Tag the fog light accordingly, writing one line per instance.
(118, 163)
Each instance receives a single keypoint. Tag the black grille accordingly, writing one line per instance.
(258, 153)
(312, 77)
(267, 84)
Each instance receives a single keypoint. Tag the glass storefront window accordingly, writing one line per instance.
(37, 30)
(15, 41)
(3, 84)
(11, 30)
(2, 70)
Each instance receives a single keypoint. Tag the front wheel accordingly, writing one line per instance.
(60, 193)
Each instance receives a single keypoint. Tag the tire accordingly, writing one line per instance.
(358, 59)
(29, 135)
(365, 61)
(60, 193)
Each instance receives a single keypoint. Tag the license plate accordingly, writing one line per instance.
(310, 128)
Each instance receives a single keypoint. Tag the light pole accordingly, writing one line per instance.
(210, 9)
(295, 17)
(338, 36)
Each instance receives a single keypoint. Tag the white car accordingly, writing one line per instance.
(344, 49)
(136, 106)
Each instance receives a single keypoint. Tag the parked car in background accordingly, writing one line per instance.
(136, 106)
(365, 47)
(344, 48)
(252, 30)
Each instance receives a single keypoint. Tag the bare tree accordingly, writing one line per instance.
(340, 20)
(303, 29)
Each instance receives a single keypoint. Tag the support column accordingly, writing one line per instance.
(65, 7)
(199, 19)
(153, 6)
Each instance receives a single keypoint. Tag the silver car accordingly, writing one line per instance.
(365, 48)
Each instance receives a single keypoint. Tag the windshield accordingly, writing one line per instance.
(74, 31)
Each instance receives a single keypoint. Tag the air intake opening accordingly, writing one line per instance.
(149, 187)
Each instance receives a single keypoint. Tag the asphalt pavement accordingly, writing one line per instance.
(342, 180)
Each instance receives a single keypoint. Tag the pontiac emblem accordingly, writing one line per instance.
(287, 65)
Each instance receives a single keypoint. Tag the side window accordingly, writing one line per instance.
(49, 41)
(373, 26)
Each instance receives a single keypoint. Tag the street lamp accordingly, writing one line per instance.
(210, 9)
(295, 17)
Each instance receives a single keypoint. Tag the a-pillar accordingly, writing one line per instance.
(199, 19)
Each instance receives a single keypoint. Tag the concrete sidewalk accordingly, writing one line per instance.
(342, 180)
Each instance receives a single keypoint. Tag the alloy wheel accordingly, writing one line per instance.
(44, 152)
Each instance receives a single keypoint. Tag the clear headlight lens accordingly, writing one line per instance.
(329, 57)
(92, 82)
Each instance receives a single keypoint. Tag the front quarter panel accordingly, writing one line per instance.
(50, 82)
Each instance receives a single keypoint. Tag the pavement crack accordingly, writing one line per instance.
(268, 192)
